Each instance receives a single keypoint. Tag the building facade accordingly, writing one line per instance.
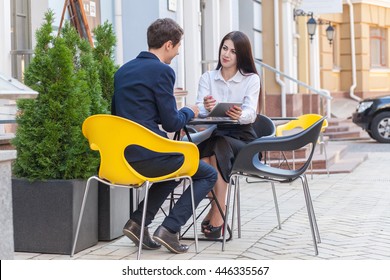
(355, 64)
(346, 68)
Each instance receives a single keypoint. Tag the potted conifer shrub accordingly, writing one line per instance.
(53, 157)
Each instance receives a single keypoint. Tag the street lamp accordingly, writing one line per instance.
(312, 25)
(330, 33)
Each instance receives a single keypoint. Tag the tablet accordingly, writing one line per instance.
(220, 109)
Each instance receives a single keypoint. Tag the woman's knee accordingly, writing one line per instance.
(207, 172)
(206, 160)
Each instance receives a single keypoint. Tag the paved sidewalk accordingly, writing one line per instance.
(353, 214)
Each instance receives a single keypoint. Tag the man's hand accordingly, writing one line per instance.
(194, 109)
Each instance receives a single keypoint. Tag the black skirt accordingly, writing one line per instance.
(225, 143)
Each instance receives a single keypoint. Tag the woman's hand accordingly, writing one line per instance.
(209, 102)
(234, 112)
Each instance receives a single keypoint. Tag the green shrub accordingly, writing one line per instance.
(104, 53)
(48, 140)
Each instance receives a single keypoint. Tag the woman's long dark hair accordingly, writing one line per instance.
(242, 45)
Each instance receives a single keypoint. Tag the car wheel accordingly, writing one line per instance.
(380, 127)
(370, 134)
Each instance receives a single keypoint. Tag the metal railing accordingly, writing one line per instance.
(208, 65)
(322, 93)
(20, 60)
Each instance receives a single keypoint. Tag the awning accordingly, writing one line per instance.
(13, 89)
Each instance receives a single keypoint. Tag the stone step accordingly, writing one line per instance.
(343, 135)
(5, 141)
(344, 165)
(332, 129)
(297, 154)
(339, 121)
(340, 129)
(344, 129)
(338, 160)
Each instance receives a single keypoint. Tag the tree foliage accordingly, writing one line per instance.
(104, 53)
(49, 140)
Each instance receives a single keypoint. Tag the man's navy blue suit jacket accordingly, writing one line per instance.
(144, 93)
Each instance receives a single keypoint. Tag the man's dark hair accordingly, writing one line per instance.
(163, 30)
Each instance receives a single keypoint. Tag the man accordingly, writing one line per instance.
(144, 93)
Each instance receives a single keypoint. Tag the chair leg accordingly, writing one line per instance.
(193, 214)
(326, 159)
(276, 205)
(322, 144)
(285, 160)
(81, 214)
(323, 148)
(293, 154)
(238, 209)
(309, 213)
(234, 208)
(235, 205)
(311, 168)
(141, 238)
(135, 199)
(227, 211)
(312, 212)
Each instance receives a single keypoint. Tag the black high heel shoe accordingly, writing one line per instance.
(213, 232)
(204, 225)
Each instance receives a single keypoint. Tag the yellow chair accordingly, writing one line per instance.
(110, 135)
(304, 122)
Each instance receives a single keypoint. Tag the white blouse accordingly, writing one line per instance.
(240, 88)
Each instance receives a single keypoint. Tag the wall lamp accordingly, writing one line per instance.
(312, 24)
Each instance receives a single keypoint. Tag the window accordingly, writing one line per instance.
(378, 46)
(20, 37)
(336, 48)
(257, 30)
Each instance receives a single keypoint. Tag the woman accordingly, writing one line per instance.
(234, 80)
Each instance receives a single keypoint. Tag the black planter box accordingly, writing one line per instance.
(45, 215)
(114, 211)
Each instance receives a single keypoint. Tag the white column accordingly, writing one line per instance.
(315, 61)
(192, 46)
(228, 16)
(38, 10)
(180, 73)
(211, 27)
(118, 32)
(5, 35)
(288, 34)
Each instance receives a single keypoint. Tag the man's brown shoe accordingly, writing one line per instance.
(169, 240)
(133, 231)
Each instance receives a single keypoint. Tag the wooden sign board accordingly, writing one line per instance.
(77, 18)
(92, 13)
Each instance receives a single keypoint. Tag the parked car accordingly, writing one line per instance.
(373, 115)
